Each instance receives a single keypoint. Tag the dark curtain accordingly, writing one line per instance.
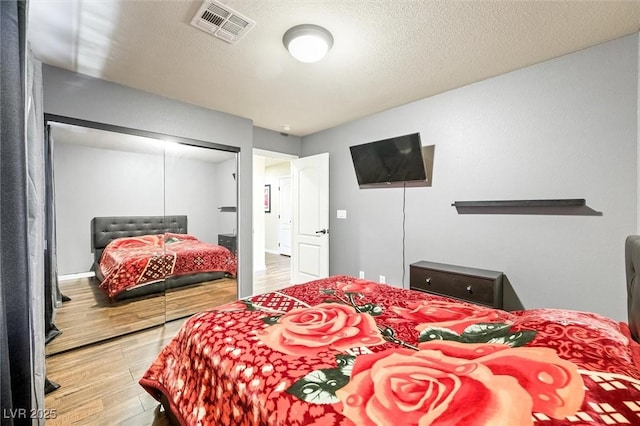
(16, 358)
(51, 289)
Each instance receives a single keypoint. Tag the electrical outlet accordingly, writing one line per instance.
(383, 279)
(361, 275)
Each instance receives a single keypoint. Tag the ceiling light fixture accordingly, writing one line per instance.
(307, 42)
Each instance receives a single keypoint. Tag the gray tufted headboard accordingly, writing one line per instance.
(632, 262)
(106, 229)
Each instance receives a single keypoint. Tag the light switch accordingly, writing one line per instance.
(341, 214)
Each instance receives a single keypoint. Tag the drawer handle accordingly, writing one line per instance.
(428, 281)
(469, 289)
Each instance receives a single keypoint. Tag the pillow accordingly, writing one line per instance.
(591, 341)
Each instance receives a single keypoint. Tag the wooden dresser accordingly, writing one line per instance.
(469, 284)
(229, 241)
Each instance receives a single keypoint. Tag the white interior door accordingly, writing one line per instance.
(310, 199)
(284, 218)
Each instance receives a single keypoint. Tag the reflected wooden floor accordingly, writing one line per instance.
(99, 383)
(185, 301)
(90, 316)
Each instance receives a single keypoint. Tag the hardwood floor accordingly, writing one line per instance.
(276, 276)
(90, 316)
(185, 301)
(99, 383)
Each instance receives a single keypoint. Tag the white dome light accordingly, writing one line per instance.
(307, 42)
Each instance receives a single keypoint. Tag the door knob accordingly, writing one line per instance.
(322, 231)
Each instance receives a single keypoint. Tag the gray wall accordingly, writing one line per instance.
(75, 95)
(92, 182)
(277, 142)
(565, 128)
(224, 179)
(191, 188)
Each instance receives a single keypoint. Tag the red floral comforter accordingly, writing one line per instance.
(134, 261)
(343, 351)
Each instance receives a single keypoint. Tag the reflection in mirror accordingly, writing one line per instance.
(100, 173)
(201, 183)
(126, 209)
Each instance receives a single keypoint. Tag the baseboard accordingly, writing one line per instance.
(69, 277)
(276, 252)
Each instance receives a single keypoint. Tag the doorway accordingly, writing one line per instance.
(271, 220)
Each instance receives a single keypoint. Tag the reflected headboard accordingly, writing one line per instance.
(632, 263)
(106, 229)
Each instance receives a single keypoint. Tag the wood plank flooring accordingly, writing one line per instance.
(276, 276)
(99, 383)
(185, 301)
(91, 317)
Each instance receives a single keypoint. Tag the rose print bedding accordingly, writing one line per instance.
(134, 261)
(343, 351)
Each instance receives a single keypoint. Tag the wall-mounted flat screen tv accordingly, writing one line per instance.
(393, 162)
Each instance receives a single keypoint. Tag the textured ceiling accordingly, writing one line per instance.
(386, 53)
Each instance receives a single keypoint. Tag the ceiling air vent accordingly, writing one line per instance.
(221, 21)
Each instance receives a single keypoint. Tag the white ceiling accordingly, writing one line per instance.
(386, 52)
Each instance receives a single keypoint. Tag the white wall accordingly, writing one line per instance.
(272, 177)
(259, 263)
(565, 128)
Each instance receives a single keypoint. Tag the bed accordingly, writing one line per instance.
(137, 256)
(346, 351)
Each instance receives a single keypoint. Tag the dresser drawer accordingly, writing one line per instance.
(228, 241)
(474, 285)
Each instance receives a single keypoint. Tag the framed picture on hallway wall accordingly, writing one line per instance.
(267, 198)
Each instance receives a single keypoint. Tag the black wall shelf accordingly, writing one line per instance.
(564, 206)
(572, 202)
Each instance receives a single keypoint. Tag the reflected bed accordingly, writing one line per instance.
(346, 351)
(136, 256)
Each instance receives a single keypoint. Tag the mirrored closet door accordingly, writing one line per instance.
(137, 219)
(201, 183)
